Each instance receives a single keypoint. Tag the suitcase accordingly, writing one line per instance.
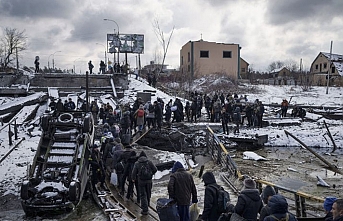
(166, 210)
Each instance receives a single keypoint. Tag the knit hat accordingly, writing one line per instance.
(249, 184)
(267, 192)
(117, 139)
(329, 202)
(142, 154)
(177, 165)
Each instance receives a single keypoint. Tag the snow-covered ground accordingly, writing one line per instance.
(13, 168)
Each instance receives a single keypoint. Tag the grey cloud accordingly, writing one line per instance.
(281, 12)
(36, 8)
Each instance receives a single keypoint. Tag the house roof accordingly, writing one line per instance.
(334, 57)
(278, 70)
(337, 61)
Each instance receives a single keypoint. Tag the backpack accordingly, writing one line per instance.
(145, 172)
(140, 113)
(120, 167)
(282, 219)
(223, 198)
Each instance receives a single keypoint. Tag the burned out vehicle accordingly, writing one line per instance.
(59, 173)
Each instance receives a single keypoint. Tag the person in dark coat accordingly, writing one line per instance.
(267, 193)
(128, 172)
(90, 67)
(59, 106)
(249, 202)
(144, 185)
(182, 189)
(158, 114)
(124, 157)
(279, 209)
(328, 207)
(98, 173)
(337, 210)
(210, 212)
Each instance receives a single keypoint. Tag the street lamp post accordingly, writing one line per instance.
(105, 54)
(74, 64)
(105, 19)
(53, 62)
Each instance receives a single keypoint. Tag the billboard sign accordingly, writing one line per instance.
(126, 43)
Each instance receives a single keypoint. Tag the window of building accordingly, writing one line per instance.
(227, 54)
(204, 54)
(189, 57)
(189, 68)
(325, 65)
(333, 70)
(316, 66)
(243, 70)
(181, 60)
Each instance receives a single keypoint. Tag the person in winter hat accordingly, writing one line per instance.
(267, 193)
(182, 189)
(337, 210)
(249, 202)
(144, 184)
(210, 212)
(328, 207)
(279, 209)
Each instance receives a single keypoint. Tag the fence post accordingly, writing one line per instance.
(303, 207)
(15, 130)
(297, 205)
(9, 135)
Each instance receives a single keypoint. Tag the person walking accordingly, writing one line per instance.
(123, 160)
(249, 202)
(140, 115)
(337, 210)
(182, 189)
(328, 202)
(267, 193)
(143, 171)
(284, 108)
(36, 64)
(90, 67)
(210, 212)
(279, 209)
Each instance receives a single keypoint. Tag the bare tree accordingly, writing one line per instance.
(160, 36)
(12, 43)
(291, 65)
(275, 65)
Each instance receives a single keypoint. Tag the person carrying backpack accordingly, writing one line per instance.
(128, 172)
(143, 170)
(214, 204)
(121, 166)
(279, 209)
(249, 202)
(182, 189)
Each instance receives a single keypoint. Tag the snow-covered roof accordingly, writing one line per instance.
(334, 57)
(278, 69)
(337, 61)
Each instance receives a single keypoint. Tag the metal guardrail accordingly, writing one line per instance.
(221, 156)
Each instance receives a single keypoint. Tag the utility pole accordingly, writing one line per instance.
(328, 76)
(16, 54)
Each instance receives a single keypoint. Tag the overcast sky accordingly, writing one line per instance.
(267, 30)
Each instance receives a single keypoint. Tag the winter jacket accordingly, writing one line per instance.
(210, 212)
(278, 209)
(249, 204)
(137, 167)
(181, 187)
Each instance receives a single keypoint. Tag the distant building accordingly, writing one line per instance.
(152, 67)
(321, 66)
(199, 58)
